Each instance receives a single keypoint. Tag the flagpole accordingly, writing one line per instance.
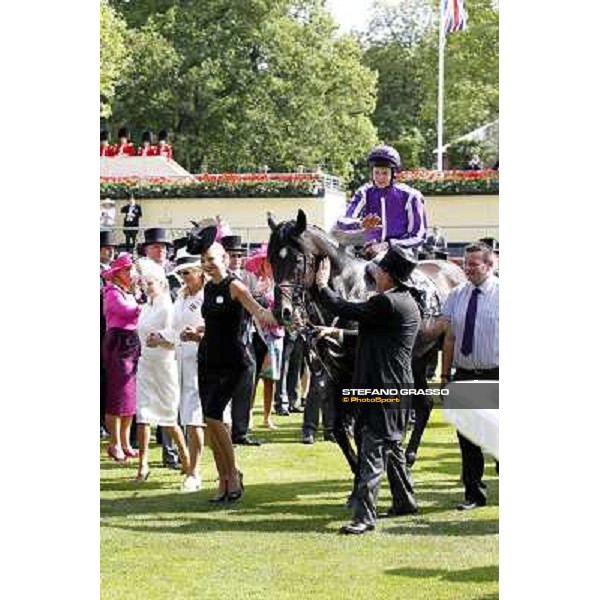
(440, 112)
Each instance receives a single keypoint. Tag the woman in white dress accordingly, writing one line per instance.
(188, 326)
(157, 379)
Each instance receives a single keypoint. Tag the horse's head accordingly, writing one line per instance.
(293, 257)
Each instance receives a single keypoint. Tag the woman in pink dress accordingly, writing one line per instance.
(269, 354)
(120, 353)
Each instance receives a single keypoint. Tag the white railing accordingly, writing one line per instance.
(253, 236)
(326, 181)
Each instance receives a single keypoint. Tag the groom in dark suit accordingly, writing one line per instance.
(387, 328)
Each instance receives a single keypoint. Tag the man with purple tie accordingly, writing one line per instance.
(390, 213)
(471, 345)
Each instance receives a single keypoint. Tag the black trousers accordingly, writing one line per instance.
(286, 389)
(259, 350)
(170, 456)
(321, 399)
(241, 399)
(130, 238)
(473, 463)
(422, 405)
(377, 455)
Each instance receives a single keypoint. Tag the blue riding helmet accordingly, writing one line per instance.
(384, 156)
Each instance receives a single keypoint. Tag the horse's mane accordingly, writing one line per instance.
(285, 234)
(348, 272)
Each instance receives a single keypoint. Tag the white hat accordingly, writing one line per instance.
(185, 260)
(107, 201)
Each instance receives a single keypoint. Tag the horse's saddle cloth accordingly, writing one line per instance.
(422, 289)
(426, 294)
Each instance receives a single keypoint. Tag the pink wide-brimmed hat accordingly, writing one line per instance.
(123, 261)
(254, 261)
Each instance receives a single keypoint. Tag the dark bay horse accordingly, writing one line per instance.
(295, 251)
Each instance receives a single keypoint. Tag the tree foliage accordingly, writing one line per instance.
(402, 46)
(242, 83)
(114, 55)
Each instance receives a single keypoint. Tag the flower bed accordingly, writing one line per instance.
(288, 185)
(213, 186)
(453, 183)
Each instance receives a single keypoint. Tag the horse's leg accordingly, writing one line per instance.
(341, 437)
(422, 406)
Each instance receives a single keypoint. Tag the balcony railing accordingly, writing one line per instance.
(255, 236)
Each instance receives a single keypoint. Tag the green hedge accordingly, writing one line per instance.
(281, 189)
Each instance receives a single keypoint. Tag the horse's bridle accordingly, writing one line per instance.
(296, 291)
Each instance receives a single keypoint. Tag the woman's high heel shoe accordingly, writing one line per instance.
(233, 496)
(116, 454)
(221, 497)
(142, 475)
(131, 452)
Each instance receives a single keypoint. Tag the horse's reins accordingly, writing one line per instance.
(296, 293)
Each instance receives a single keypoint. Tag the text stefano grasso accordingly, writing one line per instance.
(386, 392)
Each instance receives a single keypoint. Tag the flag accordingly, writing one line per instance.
(455, 15)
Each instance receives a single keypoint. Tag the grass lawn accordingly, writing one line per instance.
(280, 541)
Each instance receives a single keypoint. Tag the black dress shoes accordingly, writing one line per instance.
(329, 437)
(356, 528)
(470, 505)
(308, 438)
(295, 409)
(174, 466)
(401, 512)
(282, 412)
(245, 441)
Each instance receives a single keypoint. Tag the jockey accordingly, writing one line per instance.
(389, 213)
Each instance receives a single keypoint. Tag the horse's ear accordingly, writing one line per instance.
(300, 222)
(271, 221)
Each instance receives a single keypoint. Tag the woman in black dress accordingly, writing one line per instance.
(223, 358)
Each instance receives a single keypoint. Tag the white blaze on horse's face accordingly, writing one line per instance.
(283, 253)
